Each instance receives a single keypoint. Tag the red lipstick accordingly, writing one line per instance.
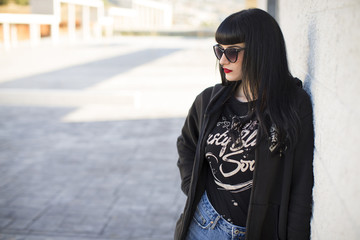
(227, 70)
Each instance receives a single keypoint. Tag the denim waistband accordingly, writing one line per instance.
(217, 220)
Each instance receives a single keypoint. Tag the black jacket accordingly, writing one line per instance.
(281, 197)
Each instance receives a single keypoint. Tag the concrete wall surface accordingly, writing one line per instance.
(322, 38)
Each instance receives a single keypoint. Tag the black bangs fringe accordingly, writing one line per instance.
(229, 32)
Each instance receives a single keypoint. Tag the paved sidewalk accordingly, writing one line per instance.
(87, 141)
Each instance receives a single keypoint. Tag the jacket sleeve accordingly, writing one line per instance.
(300, 205)
(186, 145)
(188, 140)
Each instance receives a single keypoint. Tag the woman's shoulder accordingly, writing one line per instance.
(204, 98)
(212, 90)
(303, 99)
(209, 92)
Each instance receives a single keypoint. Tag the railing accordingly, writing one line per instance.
(51, 15)
(145, 14)
(9, 21)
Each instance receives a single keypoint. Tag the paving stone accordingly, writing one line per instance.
(47, 223)
(83, 225)
(5, 222)
(19, 212)
(11, 237)
(19, 224)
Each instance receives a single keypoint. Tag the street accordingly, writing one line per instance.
(88, 136)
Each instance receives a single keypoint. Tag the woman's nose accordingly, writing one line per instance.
(223, 60)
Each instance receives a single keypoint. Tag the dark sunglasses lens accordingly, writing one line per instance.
(231, 54)
(218, 52)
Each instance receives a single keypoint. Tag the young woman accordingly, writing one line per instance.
(246, 148)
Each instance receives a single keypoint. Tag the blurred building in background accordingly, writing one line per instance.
(78, 20)
(139, 16)
(50, 18)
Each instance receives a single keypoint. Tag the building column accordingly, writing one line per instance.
(97, 25)
(86, 22)
(71, 21)
(6, 34)
(55, 28)
(168, 16)
(13, 34)
(55, 32)
(34, 34)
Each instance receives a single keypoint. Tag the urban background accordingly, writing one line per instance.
(93, 95)
(80, 19)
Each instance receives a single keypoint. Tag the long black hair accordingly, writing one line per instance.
(265, 72)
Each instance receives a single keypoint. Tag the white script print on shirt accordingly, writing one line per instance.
(232, 157)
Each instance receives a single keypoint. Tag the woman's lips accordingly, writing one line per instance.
(227, 70)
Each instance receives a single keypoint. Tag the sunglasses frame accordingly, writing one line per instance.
(237, 49)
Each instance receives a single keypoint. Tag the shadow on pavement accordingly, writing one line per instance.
(84, 75)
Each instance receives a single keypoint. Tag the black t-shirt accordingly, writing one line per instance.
(230, 152)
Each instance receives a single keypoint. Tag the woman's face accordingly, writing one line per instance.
(233, 71)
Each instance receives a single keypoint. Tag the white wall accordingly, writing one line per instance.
(323, 41)
(43, 6)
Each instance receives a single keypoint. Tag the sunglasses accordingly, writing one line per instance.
(230, 53)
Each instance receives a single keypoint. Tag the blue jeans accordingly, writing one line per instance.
(208, 224)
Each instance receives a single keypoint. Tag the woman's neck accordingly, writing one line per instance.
(240, 94)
